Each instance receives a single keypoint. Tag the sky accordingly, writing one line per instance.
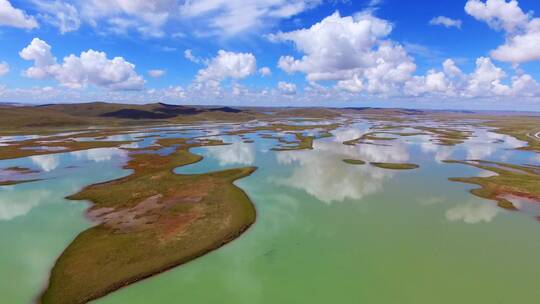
(445, 54)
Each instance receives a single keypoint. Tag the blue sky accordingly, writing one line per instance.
(471, 54)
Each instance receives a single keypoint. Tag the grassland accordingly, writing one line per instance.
(149, 222)
(20, 149)
(302, 143)
(522, 128)
(510, 181)
(53, 118)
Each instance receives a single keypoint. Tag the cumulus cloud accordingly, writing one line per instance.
(287, 88)
(228, 65)
(487, 80)
(352, 50)
(4, 68)
(356, 53)
(265, 71)
(521, 29)
(11, 16)
(230, 17)
(156, 73)
(90, 68)
(446, 22)
(498, 14)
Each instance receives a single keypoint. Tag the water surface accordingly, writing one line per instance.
(326, 231)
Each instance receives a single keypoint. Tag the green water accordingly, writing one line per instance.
(326, 232)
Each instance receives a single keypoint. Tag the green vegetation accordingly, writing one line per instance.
(354, 161)
(368, 138)
(395, 166)
(15, 182)
(523, 128)
(19, 149)
(302, 143)
(58, 117)
(446, 136)
(510, 181)
(149, 222)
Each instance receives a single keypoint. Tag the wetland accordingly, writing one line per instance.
(316, 206)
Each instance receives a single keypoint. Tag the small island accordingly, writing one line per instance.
(354, 161)
(395, 166)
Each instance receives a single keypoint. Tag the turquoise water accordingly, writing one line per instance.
(37, 223)
(326, 232)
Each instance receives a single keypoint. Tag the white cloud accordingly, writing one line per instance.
(522, 30)
(63, 15)
(521, 48)
(156, 73)
(188, 54)
(265, 71)
(498, 14)
(150, 17)
(351, 50)
(287, 88)
(230, 17)
(90, 68)
(173, 93)
(487, 80)
(44, 62)
(228, 65)
(144, 16)
(4, 68)
(10, 16)
(354, 52)
(446, 22)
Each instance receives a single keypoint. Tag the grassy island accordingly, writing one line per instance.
(395, 166)
(354, 161)
(149, 222)
(511, 181)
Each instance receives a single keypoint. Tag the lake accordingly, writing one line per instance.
(326, 231)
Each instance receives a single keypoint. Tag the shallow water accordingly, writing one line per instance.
(326, 231)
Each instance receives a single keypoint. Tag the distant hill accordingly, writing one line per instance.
(81, 115)
(39, 118)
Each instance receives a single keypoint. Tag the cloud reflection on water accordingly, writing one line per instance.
(18, 203)
(322, 173)
(473, 213)
(237, 153)
(484, 144)
(47, 162)
(99, 154)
